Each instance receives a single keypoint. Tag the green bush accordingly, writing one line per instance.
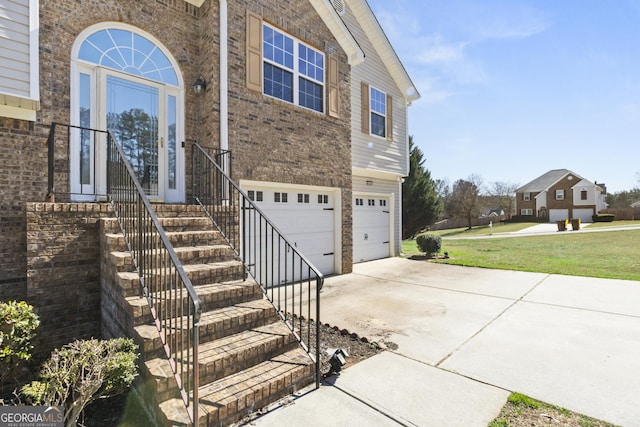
(18, 324)
(429, 244)
(82, 372)
(603, 217)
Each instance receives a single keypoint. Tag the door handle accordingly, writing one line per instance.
(161, 142)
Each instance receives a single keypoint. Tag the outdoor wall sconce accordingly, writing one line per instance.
(199, 86)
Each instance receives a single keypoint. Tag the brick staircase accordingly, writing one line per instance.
(248, 357)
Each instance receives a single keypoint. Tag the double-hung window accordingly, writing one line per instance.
(378, 105)
(559, 194)
(292, 71)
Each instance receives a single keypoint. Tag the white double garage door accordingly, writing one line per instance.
(560, 214)
(310, 219)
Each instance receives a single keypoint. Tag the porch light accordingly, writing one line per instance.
(199, 86)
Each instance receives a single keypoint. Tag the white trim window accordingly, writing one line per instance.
(292, 71)
(559, 194)
(378, 112)
(526, 197)
(528, 211)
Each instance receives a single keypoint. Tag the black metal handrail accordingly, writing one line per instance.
(285, 275)
(174, 304)
(58, 169)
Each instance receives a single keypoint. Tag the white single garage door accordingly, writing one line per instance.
(370, 228)
(558, 214)
(305, 217)
(583, 214)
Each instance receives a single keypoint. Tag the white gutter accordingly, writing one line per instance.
(224, 83)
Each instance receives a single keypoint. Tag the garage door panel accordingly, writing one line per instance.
(583, 214)
(558, 214)
(370, 228)
(309, 227)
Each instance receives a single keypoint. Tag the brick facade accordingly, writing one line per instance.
(63, 270)
(271, 140)
(276, 141)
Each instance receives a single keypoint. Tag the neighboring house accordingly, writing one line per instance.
(493, 213)
(635, 204)
(560, 194)
(313, 107)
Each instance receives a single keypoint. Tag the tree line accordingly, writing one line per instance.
(426, 200)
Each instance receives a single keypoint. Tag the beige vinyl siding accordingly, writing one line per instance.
(371, 152)
(15, 53)
(382, 186)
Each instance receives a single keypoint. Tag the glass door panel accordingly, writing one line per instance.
(132, 115)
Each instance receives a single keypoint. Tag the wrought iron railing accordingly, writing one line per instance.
(174, 304)
(62, 184)
(287, 278)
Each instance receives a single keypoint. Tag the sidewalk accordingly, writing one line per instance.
(466, 337)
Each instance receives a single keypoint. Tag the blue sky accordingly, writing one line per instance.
(514, 88)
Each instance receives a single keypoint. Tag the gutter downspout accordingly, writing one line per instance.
(224, 83)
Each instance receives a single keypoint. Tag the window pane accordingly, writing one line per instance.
(85, 136)
(171, 140)
(377, 125)
(124, 51)
(378, 102)
(278, 83)
(310, 95)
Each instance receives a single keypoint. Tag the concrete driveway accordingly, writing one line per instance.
(461, 338)
(570, 341)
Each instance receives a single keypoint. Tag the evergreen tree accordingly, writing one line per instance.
(420, 201)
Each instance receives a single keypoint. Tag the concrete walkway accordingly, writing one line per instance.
(466, 337)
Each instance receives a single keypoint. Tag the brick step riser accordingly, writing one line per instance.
(263, 384)
(124, 261)
(116, 242)
(181, 224)
(304, 378)
(142, 315)
(211, 332)
(216, 275)
(169, 210)
(228, 365)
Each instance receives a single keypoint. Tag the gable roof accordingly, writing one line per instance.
(381, 44)
(545, 181)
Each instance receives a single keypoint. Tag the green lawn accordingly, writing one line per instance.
(614, 254)
(483, 230)
(614, 224)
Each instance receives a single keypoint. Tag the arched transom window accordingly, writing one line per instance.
(123, 50)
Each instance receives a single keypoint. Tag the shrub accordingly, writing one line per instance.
(18, 324)
(82, 372)
(603, 217)
(429, 243)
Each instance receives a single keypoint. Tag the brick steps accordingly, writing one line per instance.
(229, 355)
(227, 400)
(248, 357)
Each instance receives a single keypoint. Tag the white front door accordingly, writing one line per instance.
(124, 82)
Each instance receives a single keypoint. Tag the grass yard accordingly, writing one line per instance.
(624, 223)
(483, 230)
(614, 254)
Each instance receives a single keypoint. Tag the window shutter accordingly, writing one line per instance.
(332, 87)
(389, 118)
(364, 108)
(254, 52)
